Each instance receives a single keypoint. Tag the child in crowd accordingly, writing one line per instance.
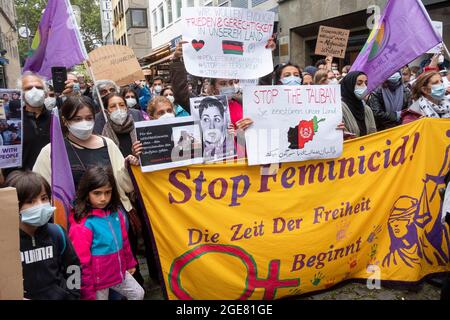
(99, 235)
(50, 266)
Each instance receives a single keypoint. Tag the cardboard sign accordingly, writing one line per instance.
(11, 132)
(117, 63)
(293, 123)
(11, 278)
(332, 42)
(439, 27)
(213, 115)
(169, 143)
(227, 42)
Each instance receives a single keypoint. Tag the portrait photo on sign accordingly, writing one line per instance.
(213, 115)
(10, 128)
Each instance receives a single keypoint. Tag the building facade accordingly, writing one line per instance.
(9, 49)
(165, 24)
(131, 25)
(300, 21)
(106, 17)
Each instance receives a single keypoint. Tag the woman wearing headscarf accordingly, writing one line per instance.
(388, 101)
(358, 117)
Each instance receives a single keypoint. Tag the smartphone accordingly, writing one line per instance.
(59, 77)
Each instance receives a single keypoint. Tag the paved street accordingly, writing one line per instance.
(350, 291)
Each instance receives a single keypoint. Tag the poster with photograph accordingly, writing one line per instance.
(293, 123)
(169, 143)
(213, 115)
(10, 128)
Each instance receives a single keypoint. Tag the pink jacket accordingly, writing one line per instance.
(101, 242)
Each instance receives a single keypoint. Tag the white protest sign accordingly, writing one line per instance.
(439, 27)
(227, 42)
(293, 123)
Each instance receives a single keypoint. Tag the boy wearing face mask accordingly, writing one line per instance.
(48, 258)
(389, 100)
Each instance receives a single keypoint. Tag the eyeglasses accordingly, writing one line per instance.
(106, 91)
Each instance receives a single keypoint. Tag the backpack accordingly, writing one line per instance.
(58, 236)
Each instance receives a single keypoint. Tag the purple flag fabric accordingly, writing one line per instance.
(57, 41)
(405, 32)
(63, 188)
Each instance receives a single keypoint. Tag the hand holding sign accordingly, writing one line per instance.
(332, 42)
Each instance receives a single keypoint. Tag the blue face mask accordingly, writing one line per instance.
(396, 77)
(360, 92)
(76, 87)
(37, 216)
(291, 81)
(438, 91)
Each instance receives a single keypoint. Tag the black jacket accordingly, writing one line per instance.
(386, 120)
(45, 262)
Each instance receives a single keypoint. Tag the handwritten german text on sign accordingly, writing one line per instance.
(332, 42)
(293, 123)
(117, 63)
(227, 42)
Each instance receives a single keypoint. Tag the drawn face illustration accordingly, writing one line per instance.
(213, 124)
(399, 227)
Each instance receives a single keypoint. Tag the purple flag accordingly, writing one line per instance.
(57, 41)
(404, 33)
(63, 188)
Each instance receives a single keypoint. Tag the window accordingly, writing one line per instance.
(207, 3)
(137, 18)
(162, 23)
(155, 21)
(169, 11)
(239, 3)
(178, 14)
(190, 3)
(224, 3)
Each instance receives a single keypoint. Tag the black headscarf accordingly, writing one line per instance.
(355, 105)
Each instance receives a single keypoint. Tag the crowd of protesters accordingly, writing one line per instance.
(106, 219)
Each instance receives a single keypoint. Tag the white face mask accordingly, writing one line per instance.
(35, 97)
(119, 116)
(158, 89)
(227, 91)
(167, 115)
(50, 103)
(171, 98)
(82, 130)
(333, 81)
(131, 102)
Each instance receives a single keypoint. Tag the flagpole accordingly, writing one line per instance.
(86, 57)
(446, 49)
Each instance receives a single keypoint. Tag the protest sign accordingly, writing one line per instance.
(236, 234)
(332, 42)
(169, 143)
(10, 128)
(227, 42)
(11, 278)
(439, 27)
(117, 63)
(293, 123)
(213, 114)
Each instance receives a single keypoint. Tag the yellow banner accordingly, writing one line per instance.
(228, 232)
